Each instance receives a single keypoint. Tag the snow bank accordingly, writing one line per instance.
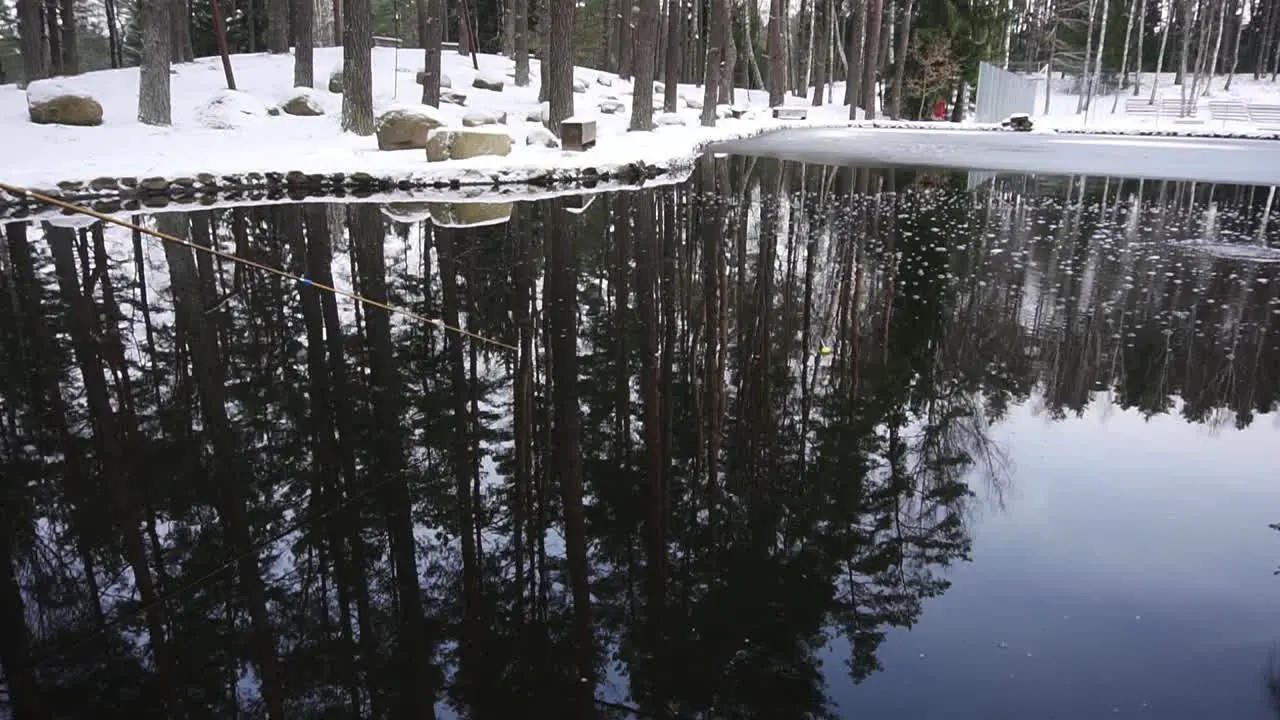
(231, 109)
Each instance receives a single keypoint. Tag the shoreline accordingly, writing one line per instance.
(482, 179)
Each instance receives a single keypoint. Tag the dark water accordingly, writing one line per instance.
(778, 442)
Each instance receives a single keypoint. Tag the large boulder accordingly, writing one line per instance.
(458, 144)
(488, 82)
(407, 128)
(473, 214)
(54, 102)
(302, 102)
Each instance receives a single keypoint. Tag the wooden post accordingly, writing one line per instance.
(220, 32)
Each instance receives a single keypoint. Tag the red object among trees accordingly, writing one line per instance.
(940, 109)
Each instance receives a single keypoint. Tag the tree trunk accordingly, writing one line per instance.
(1235, 50)
(900, 58)
(1212, 68)
(822, 11)
(716, 46)
(25, 696)
(626, 38)
(1142, 32)
(557, 66)
(231, 481)
(34, 66)
(70, 46)
(1124, 57)
(562, 284)
(278, 28)
(357, 68)
(180, 49)
(153, 76)
(872, 62)
(646, 35)
(853, 74)
(1188, 18)
(414, 648)
(776, 50)
(339, 23)
(671, 78)
(1155, 79)
(520, 8)
(53, 37)
(1082, 101)
(1097, 62)
(304, 44)
(432, 41)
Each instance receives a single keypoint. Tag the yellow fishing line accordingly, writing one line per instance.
(21, 191)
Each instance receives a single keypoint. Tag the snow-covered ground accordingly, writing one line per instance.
(1106, 113)
(238, 136)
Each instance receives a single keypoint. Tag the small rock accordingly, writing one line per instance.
(302, 103)
(692, 102)
(206, 179)
(154, 184)
(233, 180)
(295, 177)
(579, 85)
(104, 183)
(452, 97)
(604, 80)
(335, 81)
(659, 88)
(273, 111)
(70, 185)
(129, 182)
(669, 119)
(484, 81)
(476, 118)
(612, 107)
(539, 135)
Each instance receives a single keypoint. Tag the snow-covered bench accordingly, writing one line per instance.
(1162, 107)
(1265, 114)
(790, 113)
(1229, 111)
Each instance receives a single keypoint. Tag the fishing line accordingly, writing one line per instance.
(301, 279)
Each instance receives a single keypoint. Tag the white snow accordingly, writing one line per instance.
(231, 109)
(42, 91)
(223, 132)
(220, 132)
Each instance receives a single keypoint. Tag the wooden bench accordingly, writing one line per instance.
(1265, 114)
(577, 134)
(1163, 107)
(1140, 106)
(789, 113)
(1228, 111)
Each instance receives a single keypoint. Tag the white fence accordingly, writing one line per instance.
(1002, 93)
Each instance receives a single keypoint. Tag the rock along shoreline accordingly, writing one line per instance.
(111, 194)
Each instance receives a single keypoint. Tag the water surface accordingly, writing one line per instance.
(783, 441)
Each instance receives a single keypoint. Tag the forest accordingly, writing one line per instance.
(736, 417)
(891, 57)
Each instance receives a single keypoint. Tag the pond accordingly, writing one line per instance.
(780, 441)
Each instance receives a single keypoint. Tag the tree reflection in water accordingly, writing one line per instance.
(747, 413)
